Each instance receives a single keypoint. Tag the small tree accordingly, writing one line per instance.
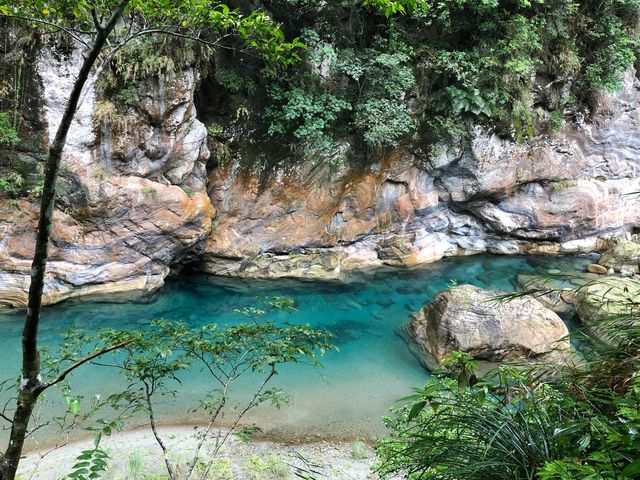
(100, 28)
(155, 360)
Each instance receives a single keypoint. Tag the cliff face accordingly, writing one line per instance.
(561, 194)
(136, 200)
(122, 219)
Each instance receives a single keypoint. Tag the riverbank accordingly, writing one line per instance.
(135, 455)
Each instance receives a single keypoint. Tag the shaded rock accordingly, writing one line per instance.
(555, 294)
(467, 318)
(607, 296)
(624, 258)
(606, 300)
(316, 265)
(125, 242)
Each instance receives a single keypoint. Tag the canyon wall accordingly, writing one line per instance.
(137, 201)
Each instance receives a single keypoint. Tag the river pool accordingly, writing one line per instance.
(357, 385)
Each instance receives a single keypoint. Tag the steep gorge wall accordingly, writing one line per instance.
(137, 201)
(563, 194)
(129, 206)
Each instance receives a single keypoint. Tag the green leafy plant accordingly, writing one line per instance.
(11, 184)
(8, 135)
(550, 422)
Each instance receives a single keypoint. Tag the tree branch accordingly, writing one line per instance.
(72, 32)
(81, 362)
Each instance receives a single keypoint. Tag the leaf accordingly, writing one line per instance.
(632, 470)
(416, 409)
(74, 407)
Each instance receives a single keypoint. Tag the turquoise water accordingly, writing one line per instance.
(347, 398)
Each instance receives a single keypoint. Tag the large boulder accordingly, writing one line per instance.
(607, 300)
(607, 297)
(468, 319)
(623, 258)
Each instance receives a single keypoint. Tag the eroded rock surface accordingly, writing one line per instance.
(623, 258)
(129, 206)
(136, 199)
(564, 194)
(468, 319)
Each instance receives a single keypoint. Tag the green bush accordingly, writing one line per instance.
(11, 184)
(8, 135)
(307, 115)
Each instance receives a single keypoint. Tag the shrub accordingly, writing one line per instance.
(8, 135)
(11, 184)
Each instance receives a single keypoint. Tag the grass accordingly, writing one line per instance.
(136, 465)
(267, 468)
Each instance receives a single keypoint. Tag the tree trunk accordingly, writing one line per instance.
(31, 383)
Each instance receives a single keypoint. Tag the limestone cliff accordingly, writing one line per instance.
(136, 199)
(122, 218)
(562, 194)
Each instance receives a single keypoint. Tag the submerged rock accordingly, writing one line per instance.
(469, 319)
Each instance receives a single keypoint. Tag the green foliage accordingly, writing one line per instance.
(307, 115)
(382, 121)
(215, 130)
(11, 184)
(383, 77)
(8, 136)
(234, 81)
(485, 57)
(359, 450)
(516, 67)
(220, 469)
(267, 467)
(393, 7)
(552, 422)
(91, 463)
(371, 105)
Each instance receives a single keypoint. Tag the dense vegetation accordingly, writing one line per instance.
(384, 73)
(551, 422)
(374, 73)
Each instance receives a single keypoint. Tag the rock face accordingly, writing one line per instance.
(135, 198)
(624, 258)
(466, 318)
(565, 194)
(129, 207)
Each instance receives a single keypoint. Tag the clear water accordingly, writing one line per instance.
(357, 386)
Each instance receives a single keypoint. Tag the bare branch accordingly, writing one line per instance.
(96, 22)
